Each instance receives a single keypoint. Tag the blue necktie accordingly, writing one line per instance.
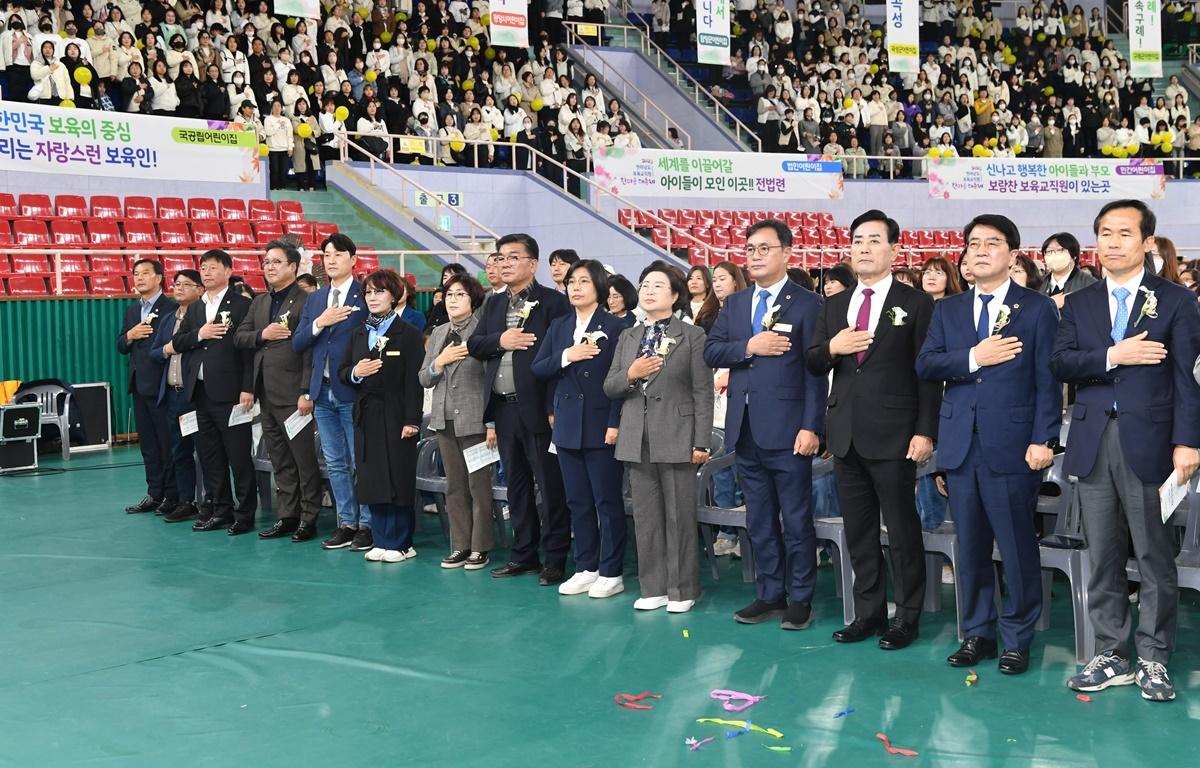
(760, 311)
(984, 328)
(1121, 322)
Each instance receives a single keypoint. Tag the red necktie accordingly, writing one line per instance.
(863, 322)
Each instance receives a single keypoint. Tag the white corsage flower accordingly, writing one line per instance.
(664, 346)
(1149, 306)
(897, 316)
(226, 320)
(771, 318)
(1001, 319)
(150, 318)
(593, 337)
(380, 343)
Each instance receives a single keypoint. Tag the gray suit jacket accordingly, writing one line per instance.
(458, 387)
(675, 412)
(280, 374)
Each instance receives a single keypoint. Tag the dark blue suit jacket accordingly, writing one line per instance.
(1013, 405)
(162, 336)
(331, 343)
(582, 412)
(145, 369)
(784, 396)
(1158, 405)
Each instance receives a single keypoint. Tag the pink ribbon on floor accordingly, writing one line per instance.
(727, 699)
(894, 750)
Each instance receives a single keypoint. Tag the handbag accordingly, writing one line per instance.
(310, 147)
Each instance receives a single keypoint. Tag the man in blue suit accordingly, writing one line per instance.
(1000, 418)
(1128, 344)
(775, 417)
(330, 316)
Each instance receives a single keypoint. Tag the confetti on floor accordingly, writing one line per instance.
(629, 701)
(845, 712)
(972, 678)
(693, 744)
(1084, 698)
(685, 634)
(894, 750)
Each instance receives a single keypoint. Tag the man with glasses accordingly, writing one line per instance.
(325, 329)
(511, 329)
(281, 379)
(774, 420)
(171, 399)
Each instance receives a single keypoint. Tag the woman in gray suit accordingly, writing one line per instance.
(457, 414)
(658, 373)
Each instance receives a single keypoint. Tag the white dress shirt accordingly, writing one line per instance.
(878, 296)
(1132, 285)
(993, 307)
(581, 324)
(210, 315)
(342, 289)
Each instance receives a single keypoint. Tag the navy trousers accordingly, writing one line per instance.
(392, 526)
(154, 438)
(592, 480)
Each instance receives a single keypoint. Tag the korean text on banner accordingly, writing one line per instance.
(510, 23)
(36, 138)
(903, 36)
(1145, 38)
(712, 31)
(742, 175)
(306, 9)
(1021, 178)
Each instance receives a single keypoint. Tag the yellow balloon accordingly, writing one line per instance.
(992, 142)
(290, 23)
(489, 53)
(473, 42)
(83, 76)
(947, 153)
(848, 103)
(1168, 147)
(537, 104)
(977, 150)
(1119, 152)
(1106, 150)
(873, 69)
(67, 104)
(340, 114)
(371, 76)
(1048, 90)
(1133, 148)
(62, 33)
(1041, 37)
(385, 37)
(263, 150)
(401, 16)
(495, 134)
(458, 146)
(1189, 17)
(486, 19)
(1018, 149)
(431, 45)
(468, 85)
(365, 13)
(304, 130)
(933, 152)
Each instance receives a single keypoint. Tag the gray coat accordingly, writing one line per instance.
(676, 410)
(458, 387)
(1079, 278)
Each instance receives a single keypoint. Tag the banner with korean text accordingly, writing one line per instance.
(643, 172)
(1020, 178)
(510, 23)
(712, 31)
(305, 9)
(1145, 38)
(903, 35)
(42, 139)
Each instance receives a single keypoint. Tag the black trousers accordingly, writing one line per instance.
(279, 169)
(526, 457)
(866, 488)
(154, 438)
(297, 475)
(224, 448)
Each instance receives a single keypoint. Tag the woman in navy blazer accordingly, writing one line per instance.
(577, 353)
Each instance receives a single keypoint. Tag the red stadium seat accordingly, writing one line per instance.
(266, 231)
(139, 207)
(703, 234)
(720, 237)
(68, 232)
(139, 232)
(291, 210)
(72, 285)
(171, 208)
(322, 230)
(174, 233)
(26, 285)
(201, 208)
(368, 261)
(108, 285)
(238, 233)
(105, 266)
(698, 256)
(686, 217)
(723, 218)
(256, 281)
(30, 264)
(30, 232)
(625, 217)
(106, 207)
(73, 206)
(643, 218)
(231, 209)
(75, 262)
(669, 215)
(206, 233)
(8, 206)
(302, 228)
(246, 265)
(104, 232)
(175, 263)
(705, 218)
(5, 267)
(35, 205)
(262, 210)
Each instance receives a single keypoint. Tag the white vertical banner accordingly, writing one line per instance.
(305, 9)
(904, 36)
(1145, 38)
(712, 31)
(510, 23)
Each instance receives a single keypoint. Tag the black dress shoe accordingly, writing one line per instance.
(238, 527)
(550, 576)
(166, 508)
(760, 611)
(1014, 662)
(279, 530)
(859, 630)
(899, 634)
(513, 569)
(304, 532)
(797, 616)
(147, 504)
(212, 524)
(972, 651)
(185, 511)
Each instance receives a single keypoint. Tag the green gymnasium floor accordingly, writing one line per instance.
(129, 642)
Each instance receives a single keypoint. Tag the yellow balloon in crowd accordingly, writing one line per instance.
(468, 85)
(340, 114)
(83, 75)
(431, 45)
(67, 104)
(385, 37)
(489, 53)
(537, 104)
(458, 146)
(371, 76)
(304, 131)
(263, 150)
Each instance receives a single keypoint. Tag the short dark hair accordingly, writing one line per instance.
(340, 242)
(1032, 273)
(290, 251)
(780, 229)
(621, 285)
(595, 271)
(469, 284)
(1149, 220)
(522, 239)
(674, 278)
(565, 255)
(893, 229)
(158, 270)
(216, 254)
(388, 280)
(190, 274)
(840, 273)
(453, 268)
(1067, 241)
(307, 279)
(801, 278)
(1003, 224)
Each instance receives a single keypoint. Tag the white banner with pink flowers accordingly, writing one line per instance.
(1010, 178)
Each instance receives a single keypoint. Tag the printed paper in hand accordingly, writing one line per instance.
(1170, 494)
(479, 456)
(188, 424)
(295, 424)
(241, 416)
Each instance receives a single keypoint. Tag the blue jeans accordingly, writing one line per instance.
(931, 505)
(726, 494)
(335, 423)
(825, 497)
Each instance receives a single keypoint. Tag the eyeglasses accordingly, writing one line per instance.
(185, 284)
(761, 250)
(374, 291)
(274, 262)
(1054, 251)
(457, 295)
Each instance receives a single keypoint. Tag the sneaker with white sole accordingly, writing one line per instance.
(680, 606)
(650, 603)
(394, 556)
(476, 561)
(722, 547)
(375, 554)
(606, 586)
(1106, 670)
(1151, 677)
(947, 574)
(579, 583)
(410, 553)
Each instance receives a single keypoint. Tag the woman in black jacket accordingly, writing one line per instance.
(135, 90)
(214, 99)
(84, 94)
(187, 88)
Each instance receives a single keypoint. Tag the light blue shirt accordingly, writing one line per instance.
(774, 290)
(147, 304)
(373, 335)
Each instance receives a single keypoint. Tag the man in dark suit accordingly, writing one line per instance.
(510, 332)
(879, 426)
(280, 374)
(220, 380)
(774, 420)
(142, 318)
(1128, 344)
(1000, 418)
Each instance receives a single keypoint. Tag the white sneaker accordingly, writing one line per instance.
(947, 574)
(394, 556)
(410, 553)
(650, 603)
(374, 554)
(736, 550)
(578, 583)
(722, 547)
(680, 606)
(607, 586)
